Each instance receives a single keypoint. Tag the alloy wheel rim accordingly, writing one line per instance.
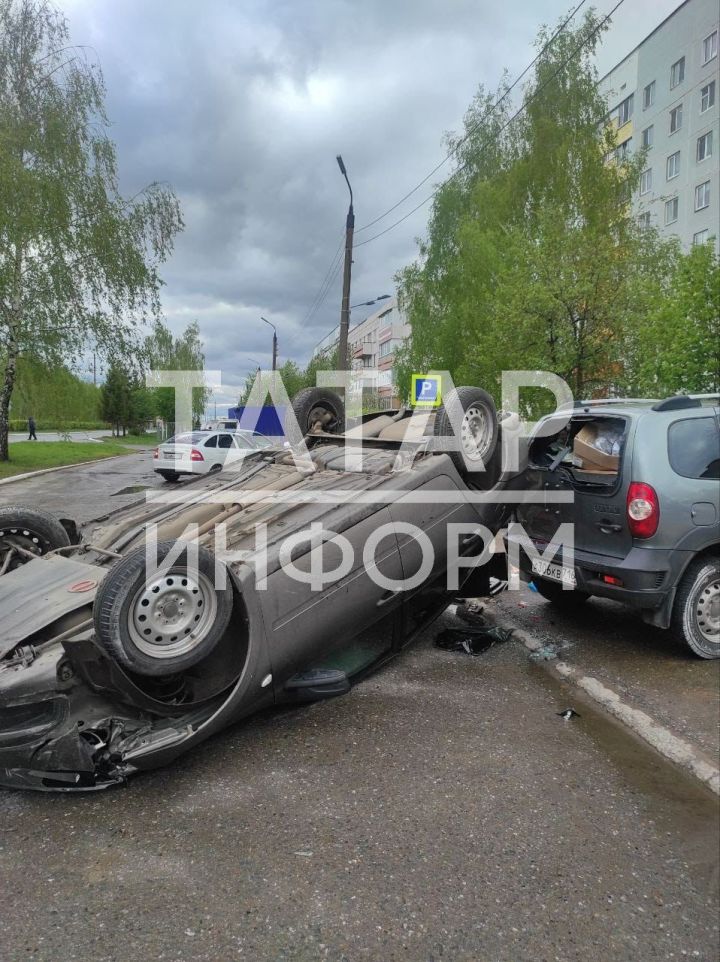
(172, 614)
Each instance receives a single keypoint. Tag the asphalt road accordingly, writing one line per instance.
(88, 491)
(644, 665)
(58, 436)
(440, 811)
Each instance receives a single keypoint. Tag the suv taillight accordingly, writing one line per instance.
(643, 510)
(195, 455)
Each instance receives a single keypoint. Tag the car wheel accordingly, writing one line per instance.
(554, 592)
(317, 409)
(162, 622)
(170, 476)
(696, 610)
(473, 412)
(215, 468)
(28, 530)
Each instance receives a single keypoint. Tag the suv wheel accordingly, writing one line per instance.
(696, 612)
(554, 592)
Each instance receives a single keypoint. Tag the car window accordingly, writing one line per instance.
(211, 442)
(245, 439)
(694, 448)
(261, 441)
(193, 438)
(225, 441)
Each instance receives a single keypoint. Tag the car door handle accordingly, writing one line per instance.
(388, 596)
(608, 528)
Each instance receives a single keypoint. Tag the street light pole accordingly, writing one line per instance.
(275, 342)
(343, 362)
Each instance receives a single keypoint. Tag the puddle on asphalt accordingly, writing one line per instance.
(133, 489)
(680, 803)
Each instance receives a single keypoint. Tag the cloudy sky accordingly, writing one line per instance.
(242, 106)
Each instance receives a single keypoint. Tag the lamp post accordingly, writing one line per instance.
(380, 297)
(345, 309)
(275, 342)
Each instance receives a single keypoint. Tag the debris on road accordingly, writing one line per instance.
(473, 641)
(568, 713)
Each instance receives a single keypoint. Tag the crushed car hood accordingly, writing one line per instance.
(39, 593)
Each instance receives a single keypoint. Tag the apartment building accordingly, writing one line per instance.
(664, 97)
(372, 344)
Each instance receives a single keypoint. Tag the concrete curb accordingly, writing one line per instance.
(62, 467)
(670, 746)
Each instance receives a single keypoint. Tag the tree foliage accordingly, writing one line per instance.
(534, 259)
(54, 396)
(78, 261)
(164, 352)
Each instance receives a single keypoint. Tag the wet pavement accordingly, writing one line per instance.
(440, 811)
(644, 665)
(87, 492)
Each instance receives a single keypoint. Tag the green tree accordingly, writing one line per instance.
(164, 352)
(677, 342)
(533, 257)
(78, 262)
(116, 395)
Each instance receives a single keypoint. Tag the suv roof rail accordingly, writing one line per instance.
(615, 400)
(680, 402)
(706, 397)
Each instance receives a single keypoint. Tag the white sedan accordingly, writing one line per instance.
(203, 452)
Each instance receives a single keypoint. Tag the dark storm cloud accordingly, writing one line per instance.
(242, 107)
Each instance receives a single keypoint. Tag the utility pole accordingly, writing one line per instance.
(274, 343)
(343, 361)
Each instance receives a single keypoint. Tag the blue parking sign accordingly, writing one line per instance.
(426, 390)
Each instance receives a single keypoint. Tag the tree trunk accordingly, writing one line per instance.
(5, 395)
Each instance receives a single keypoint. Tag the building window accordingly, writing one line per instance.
(387, 347)
(677, 72)
(671, 210)
(710, 45)
(625, 110)
(702, 196)
(676, 118)
(622, 150)
(700, 237)
(646, 181)
(704, 146)
(707, 97)
(672, 168)
(644, 220)
(649, 95)
(648, 136)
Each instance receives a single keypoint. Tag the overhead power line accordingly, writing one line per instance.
(476, 124)
(514, 117)
(326, 284)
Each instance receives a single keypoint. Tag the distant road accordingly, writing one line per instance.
(56, 436)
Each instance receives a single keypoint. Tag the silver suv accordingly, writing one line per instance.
(645, 480)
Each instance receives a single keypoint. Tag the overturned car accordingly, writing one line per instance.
(127, 642)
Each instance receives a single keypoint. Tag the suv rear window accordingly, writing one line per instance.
(694, 448)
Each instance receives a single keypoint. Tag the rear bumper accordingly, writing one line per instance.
(648, 576)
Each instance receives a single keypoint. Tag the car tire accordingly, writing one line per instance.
(165, 623)
(554, 592)
(170, 476)
(317, 408)
(696, 610)
(478, 458)
(30, 529)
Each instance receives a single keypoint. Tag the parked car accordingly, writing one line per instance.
(107, 667)
(206, 452)
(645, 476)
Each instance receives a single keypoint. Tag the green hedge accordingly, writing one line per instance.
(18, 424)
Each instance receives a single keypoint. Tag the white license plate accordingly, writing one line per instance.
(170, 455)
(561, 573)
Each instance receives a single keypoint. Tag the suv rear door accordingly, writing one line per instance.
(597, 503)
